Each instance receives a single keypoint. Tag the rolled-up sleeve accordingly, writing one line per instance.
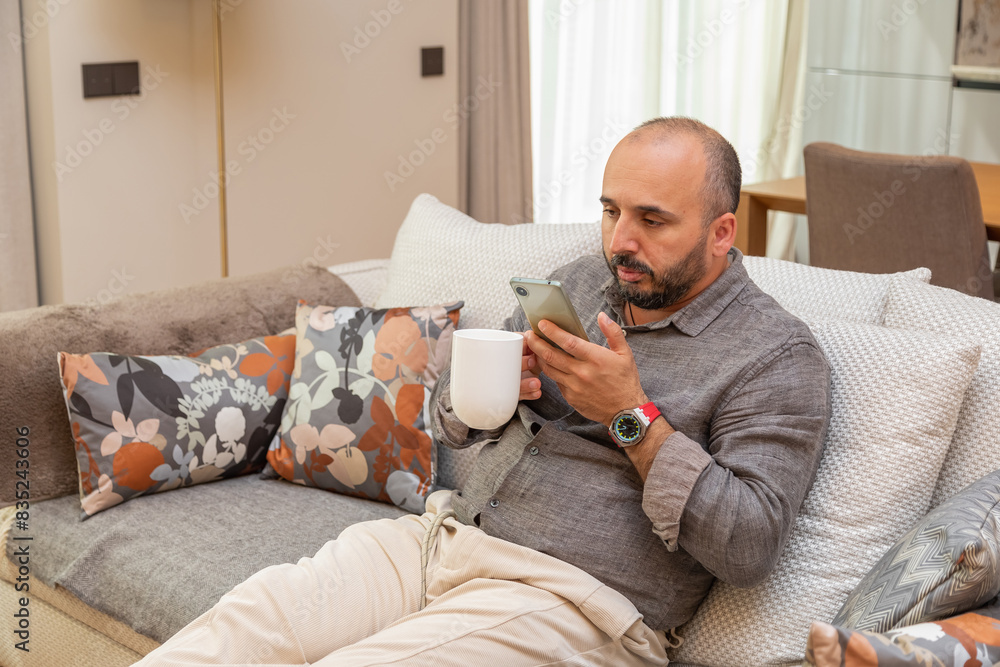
(669, 483)
(732, 507)
(447, 428)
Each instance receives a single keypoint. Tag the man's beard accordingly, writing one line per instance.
(668, 288)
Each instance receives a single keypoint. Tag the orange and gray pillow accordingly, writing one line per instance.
(147, 424)
(357, 419)
(972, 638)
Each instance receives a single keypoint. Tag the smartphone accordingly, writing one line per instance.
(546, 300)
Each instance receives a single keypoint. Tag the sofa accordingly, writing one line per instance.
(916, 385)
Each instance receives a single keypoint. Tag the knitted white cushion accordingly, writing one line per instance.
(810, 292)
(442, 255)
(975, 448)
(895, 400)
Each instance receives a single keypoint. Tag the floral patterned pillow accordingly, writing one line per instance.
(972, 638)
(149, 424)
(357, 420)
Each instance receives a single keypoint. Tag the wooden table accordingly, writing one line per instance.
(789, 195)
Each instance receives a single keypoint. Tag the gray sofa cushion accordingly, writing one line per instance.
(175, 321)
(160, 561)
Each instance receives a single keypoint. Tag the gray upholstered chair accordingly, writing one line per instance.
(881, 213)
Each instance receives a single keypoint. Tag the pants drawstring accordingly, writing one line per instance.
(425, 549)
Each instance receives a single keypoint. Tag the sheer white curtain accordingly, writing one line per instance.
(18, 283)
(601, 67)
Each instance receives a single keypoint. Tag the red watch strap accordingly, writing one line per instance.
(650, 411)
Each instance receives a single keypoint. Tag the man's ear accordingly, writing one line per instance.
(722, 234)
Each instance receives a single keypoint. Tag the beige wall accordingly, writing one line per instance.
(310, 134)
(321, 180)
(109, 171)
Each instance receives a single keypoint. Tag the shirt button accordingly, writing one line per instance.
(494, 503)
(533, 451)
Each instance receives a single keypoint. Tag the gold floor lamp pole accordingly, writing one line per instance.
(220, 133)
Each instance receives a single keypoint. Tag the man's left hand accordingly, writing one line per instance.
(597, 381)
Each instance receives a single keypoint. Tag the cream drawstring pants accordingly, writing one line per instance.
(358, 602)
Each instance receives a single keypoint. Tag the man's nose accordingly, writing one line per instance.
(623, 239)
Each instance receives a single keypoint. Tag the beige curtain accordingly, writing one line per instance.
(785, 141)
(18, 280)
(494, 141)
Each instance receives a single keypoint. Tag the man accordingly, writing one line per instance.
(673, 449)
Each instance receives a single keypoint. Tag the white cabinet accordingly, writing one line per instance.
(975, 123)
(878, 113)
(901, 37)
(886, 65)
(884, 69)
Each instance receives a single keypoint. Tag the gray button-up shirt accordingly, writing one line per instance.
(746, 388)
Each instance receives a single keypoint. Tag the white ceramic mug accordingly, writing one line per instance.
(485, 376)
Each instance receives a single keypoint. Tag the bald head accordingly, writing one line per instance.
(723, 177)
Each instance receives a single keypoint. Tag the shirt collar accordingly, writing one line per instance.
(693, 318)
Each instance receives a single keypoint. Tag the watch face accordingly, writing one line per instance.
(627, 428)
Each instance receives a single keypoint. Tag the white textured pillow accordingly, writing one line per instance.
(442, 255)
(810, 292)
(975, 448)
(895, 399)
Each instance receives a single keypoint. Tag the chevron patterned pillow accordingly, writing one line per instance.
(947, 564)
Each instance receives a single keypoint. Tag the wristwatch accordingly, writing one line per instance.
(629, 426)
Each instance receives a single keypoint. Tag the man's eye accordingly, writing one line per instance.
(610, 211)
(652, 223)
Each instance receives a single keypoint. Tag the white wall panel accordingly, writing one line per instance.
(975, 119)
(880, 113)
(909, 37)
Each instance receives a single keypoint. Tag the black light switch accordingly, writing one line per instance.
(127, 78)
(98, 80)
(432, 61)
(103, 79)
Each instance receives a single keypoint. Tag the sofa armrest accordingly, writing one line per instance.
(366, 277)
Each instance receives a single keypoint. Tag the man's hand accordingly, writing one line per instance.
(597, 381)
(531, 386)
